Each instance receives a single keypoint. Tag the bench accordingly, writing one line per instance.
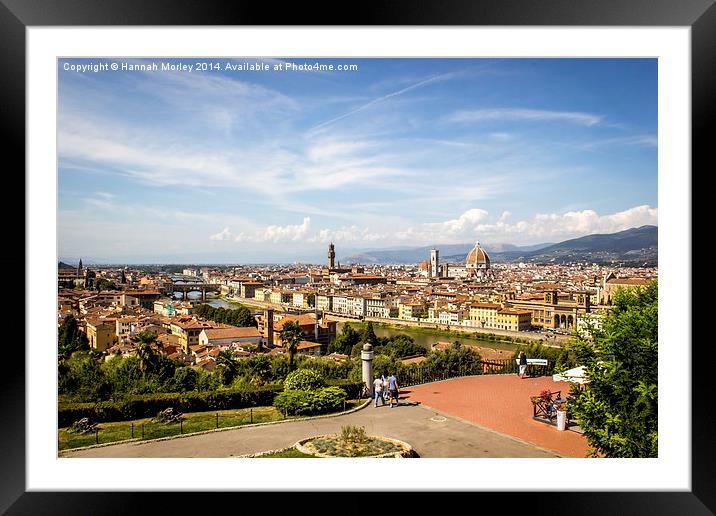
(541, 362)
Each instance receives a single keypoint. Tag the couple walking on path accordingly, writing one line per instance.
(384, 387)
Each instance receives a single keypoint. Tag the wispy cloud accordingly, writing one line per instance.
(527, 115)
(434, 78)
(636, 141)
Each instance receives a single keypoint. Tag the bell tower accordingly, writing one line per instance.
(434, 263)
(331, 256)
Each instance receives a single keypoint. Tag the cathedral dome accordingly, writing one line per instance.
(423, 265)
(477, 258)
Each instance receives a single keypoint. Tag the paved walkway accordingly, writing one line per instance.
(501, 403)
(430, 434)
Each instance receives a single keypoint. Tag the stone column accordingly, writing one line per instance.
(366, 356)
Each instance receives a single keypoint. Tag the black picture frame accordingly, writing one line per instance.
(17, 15)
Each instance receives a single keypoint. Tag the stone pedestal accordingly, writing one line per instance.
(366, 356)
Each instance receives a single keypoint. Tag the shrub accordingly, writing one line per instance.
(319, 401)
(353, 434)
(293, 402)
(328, 399)
(303, 380)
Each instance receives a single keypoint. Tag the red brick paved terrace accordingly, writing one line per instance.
(502, 403)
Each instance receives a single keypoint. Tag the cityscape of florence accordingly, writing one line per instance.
(313, 258)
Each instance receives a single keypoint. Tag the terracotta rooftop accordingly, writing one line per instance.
(231, 333)
(629, 281)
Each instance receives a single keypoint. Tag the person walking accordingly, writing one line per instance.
(386, 393)
(393, 388)
(523, 364)
(378, 391)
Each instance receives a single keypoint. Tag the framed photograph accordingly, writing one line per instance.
(181, 159)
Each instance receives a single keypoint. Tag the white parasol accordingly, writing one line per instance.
(575, 375)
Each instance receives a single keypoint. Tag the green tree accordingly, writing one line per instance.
(401, 346)
(257, 369)
(369, 335)
(226, 366)
(291, 335)
(105, 284)
(344, 342)
(453, 361)
(70, 338)
(240, 316)
(145, 350)
(185, 379)
(83, 377)
(618, 407)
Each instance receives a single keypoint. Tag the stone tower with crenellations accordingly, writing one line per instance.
(331, 256)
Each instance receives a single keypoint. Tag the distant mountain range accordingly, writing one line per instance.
(636, 245)
(449, 253)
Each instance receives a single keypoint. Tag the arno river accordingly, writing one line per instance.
(427, 340)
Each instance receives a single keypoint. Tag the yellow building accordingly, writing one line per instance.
(101, 333)
(514, 320)
(411, 310)
(188, 332)
(484, 315)
(262, 294)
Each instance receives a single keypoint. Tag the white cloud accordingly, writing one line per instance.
(572, 224)
(474, 224)
(224, 234)
(273, 233)
(463, 225)
(529, 115)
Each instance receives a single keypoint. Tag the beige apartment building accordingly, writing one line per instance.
(554, 310)
(101, 333)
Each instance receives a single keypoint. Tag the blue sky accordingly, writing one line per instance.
(270, 166)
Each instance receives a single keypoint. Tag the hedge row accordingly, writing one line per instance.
(149, 405)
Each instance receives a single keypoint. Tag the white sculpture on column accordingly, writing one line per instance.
(366, 356)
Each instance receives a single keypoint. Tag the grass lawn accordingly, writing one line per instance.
(193, 422)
